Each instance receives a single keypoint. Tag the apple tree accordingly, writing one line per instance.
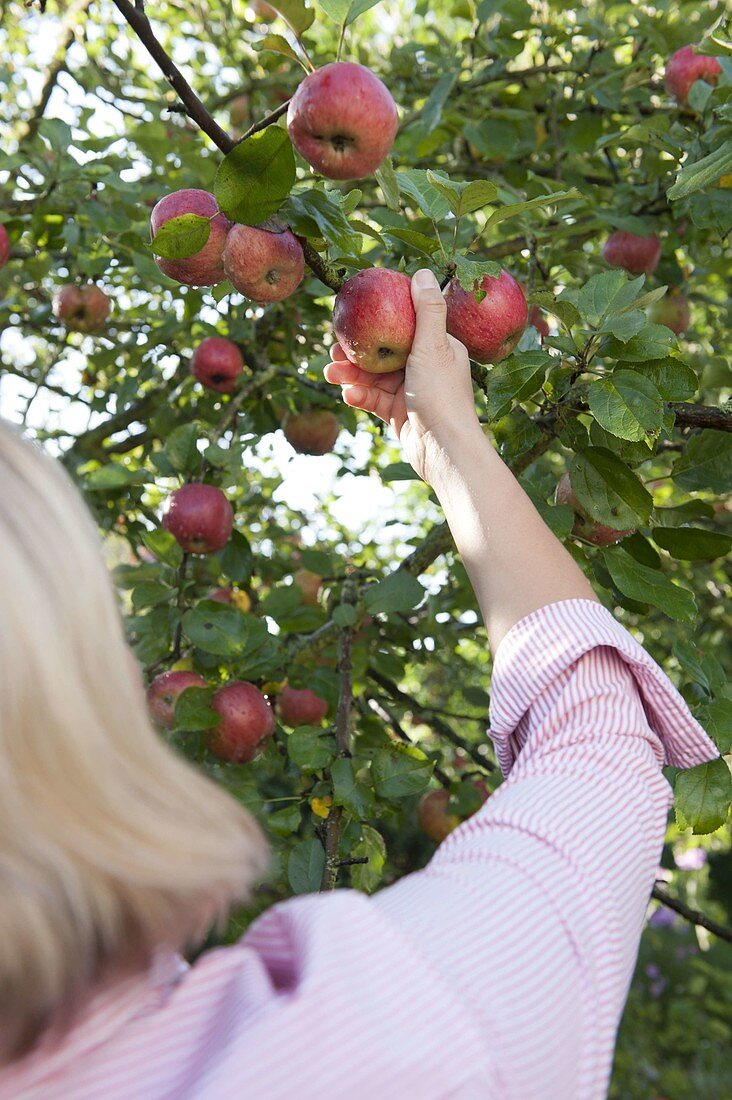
(185, 191)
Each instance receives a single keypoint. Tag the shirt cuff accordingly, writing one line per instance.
(549, 641)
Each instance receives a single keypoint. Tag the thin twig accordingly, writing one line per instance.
(694, 916)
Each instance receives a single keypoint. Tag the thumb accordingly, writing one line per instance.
(431, 310)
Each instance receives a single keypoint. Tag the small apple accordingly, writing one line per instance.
(432, 815)
(81, 309)
(343, 121)
(4, 246)
(374, 319)
(539, 321)
(239, 111)
(301, 707)
(684, 68)
(247, 720)
(636, 255)
(163, 693)
(265, 265)
(217, 364)
(491, 328)
(199, 517)
(585, 528)
(309, 584)
(237, 597)
(205, 267)
(312, 431)
(671, 311)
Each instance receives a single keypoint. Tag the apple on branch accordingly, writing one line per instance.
(586, 528)
(265, 264)
(672, 311)
(684, 68)
(634, 254)
(343, 120)
(312, 431)
(433, 814)
(163, 693)
(205, 267)
(490, 328)
(247, 721)
(217, 364)
(309, 584)
(199, 517)
(374, 319)
(301, 707)
(4, 246)
(82, 309)
(236, 597)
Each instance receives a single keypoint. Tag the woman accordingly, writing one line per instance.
(499, 971)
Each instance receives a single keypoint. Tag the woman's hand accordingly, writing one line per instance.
(429, 404)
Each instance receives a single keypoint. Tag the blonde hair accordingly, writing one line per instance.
(110, 844)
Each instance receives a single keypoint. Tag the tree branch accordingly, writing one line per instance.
(694, 916)
(701, 416)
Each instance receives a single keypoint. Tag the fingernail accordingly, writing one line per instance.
(424, 279)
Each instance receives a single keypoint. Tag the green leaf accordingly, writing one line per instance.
(150, 594)
(305, 866)
(56, 132)
(345, 615)
(181, 237)
(348, 792)
(400, 591)
(516, 208)
(164, 547)
(414, 239)
(607, 294)
(674, 380)
(317, 212)
(432, 110)
(236, 559)
(470, 273)
(181, 449)
(626, 404)
(623, 326)
(608, 491)
(371, 846)
(716, 718)
(702, 797)
(284, 822)
(692, 543)
(346, 11)
(309, 749)
(706, 463)
(400, 771)
(398, 471)
(193, 710)
(218, 628)
(255, 178)
(275, 43)
(388, 182)
(463, 198)
(649, 585)
(652, 342)
(703, 173)
(513, 379)
(113, 476)
(414, 182)
(295, 13)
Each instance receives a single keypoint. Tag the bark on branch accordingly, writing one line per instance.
(701, 416)
(694, 916)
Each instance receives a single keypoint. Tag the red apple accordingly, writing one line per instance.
(374, 319)
(671, 311)
(163, 693)
(4, 246)
(217, 364)
(234, 596)
(636, 255)
(585, 528)
(539, 321)
(199, 517)
(309, 584)
(301, 707)
(312, 431)
(247, 720)
(343, 121)
(491, 328)
(81, 309)
(264, 265)
(687, 66)
(432, 811)
(205, 267)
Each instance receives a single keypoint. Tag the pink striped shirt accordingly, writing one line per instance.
(499, 971)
